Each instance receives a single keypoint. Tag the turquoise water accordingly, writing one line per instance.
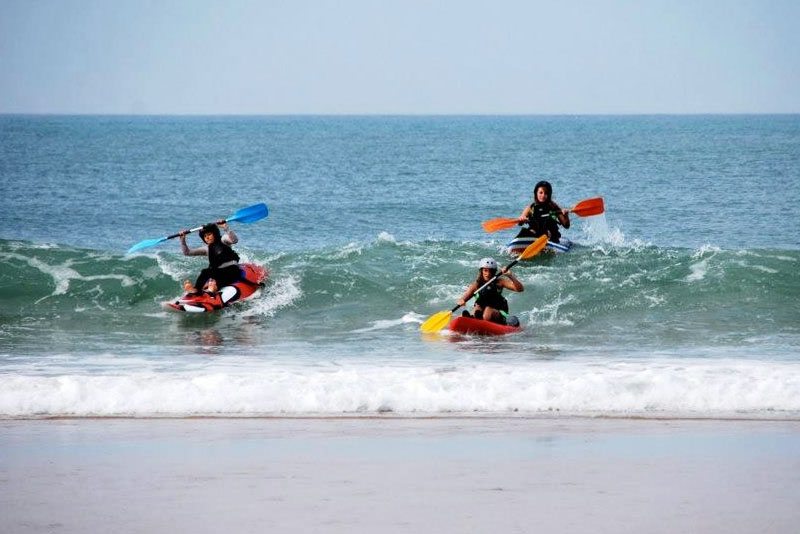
(682, 298)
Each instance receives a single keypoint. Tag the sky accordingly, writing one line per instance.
(399, 56)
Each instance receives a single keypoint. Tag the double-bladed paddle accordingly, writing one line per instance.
(250, 214)
(584, 208)
(439, 320)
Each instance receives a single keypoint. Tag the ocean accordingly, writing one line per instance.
(681, 300)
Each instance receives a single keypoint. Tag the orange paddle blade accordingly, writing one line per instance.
(500, 223)
(588, 207)
(533, 249)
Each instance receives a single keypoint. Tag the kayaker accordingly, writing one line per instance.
(223, 262)
(490, 304)
(543, 216)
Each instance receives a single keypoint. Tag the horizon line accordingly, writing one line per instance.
(381, 114)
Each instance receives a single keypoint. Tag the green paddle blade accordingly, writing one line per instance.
(250, 214)
(146, 244)
(436, 322)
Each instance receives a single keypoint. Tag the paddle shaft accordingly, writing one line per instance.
(249, 214)
(584, 208)
(187, 232)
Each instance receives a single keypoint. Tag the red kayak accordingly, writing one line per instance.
(470, 325)
(253, 279)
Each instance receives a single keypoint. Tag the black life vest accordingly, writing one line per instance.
(219, 254)
(542, 221)
(491, 296)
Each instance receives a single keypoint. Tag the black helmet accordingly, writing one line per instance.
(210, 228)
(547, 189)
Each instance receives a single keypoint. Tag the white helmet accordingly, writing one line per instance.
(488, 263)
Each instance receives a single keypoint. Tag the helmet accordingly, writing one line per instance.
(488, 263)
(210, 228)
(548, 189)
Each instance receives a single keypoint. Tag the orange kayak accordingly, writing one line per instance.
(470, 325)
(252, 279)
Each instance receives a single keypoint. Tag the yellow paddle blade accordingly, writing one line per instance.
(589, 207)
(500, 223)
(436, 322)
(534, 248)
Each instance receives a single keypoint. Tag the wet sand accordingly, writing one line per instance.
(399, 475)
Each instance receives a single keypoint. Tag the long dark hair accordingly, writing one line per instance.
(480, 281)
(548, 189)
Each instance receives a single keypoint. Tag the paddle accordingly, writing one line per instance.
(439, 320)
(584, 208)
(250, 214)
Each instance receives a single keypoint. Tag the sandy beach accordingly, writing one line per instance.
(399, 475)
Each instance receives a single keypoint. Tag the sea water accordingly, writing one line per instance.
(682, 299)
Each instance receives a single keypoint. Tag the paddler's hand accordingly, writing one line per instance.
(461, 302)
(182, 234)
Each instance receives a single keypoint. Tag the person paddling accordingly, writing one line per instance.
(543, 216)
(223, 262)
(490, 304)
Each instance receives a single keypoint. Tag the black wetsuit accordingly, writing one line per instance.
(491, 297)
(542, 221)
(223, 266)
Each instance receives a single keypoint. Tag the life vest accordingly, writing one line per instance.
(491, 296)
(542, 221)
(219, 254)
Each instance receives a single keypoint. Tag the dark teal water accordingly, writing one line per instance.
(681, 298)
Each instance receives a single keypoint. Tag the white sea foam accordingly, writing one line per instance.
(276, 296)
(347, 251)
(706, 250)
(386, 237)
(596, 231)
(668, 387)
(447, 293)
(170, 267)
(387, 324)
(548, 314)
(64, 273)
(699, 271)
(700, 268)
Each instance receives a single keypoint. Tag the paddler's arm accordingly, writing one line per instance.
(523, 218)
(467, 294)
(230, 238)
(561, 215)
(202, 251)
(509, 281)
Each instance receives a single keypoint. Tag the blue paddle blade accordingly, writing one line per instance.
(253, 213)
(146, 244)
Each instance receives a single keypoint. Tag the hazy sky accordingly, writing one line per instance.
(405, 56)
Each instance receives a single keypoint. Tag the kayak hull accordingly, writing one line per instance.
(524, 238)
(470, 325)
(253, 278)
